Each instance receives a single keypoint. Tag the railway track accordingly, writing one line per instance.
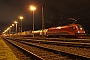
(84, 43)
(56, 53)
(38, 52)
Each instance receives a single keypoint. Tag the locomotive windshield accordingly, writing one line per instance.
(80, 27)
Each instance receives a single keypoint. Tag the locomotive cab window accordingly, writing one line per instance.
(80, 27)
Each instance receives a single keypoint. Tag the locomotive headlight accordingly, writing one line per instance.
(78, 31)
(84, 31)
(80, 28)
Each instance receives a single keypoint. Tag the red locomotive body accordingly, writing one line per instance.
(69, 30)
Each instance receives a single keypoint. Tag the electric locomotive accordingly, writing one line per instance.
(71, 30)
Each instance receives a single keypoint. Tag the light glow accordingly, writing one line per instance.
(12, 24)
(59, 27)
(78, 31)
(4, 34)
(80, 28)
(32, 8)
(21, 17)
(15, 22)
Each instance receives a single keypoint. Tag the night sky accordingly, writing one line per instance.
(56, 13)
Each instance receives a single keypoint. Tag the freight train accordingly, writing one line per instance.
(71, 30)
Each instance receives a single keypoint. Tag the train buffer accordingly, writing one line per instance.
(5, 52)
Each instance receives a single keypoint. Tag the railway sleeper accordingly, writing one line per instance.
(46, 57)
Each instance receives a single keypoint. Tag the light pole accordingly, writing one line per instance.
(16, 25)
(33, 8)
(21, 22)
(12, 28)
(42, 22)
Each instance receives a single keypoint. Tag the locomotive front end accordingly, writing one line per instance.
(80, 31)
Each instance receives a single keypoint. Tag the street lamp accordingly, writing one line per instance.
(16, 25)
(21, 22)
(12, 24)
(33, 8)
